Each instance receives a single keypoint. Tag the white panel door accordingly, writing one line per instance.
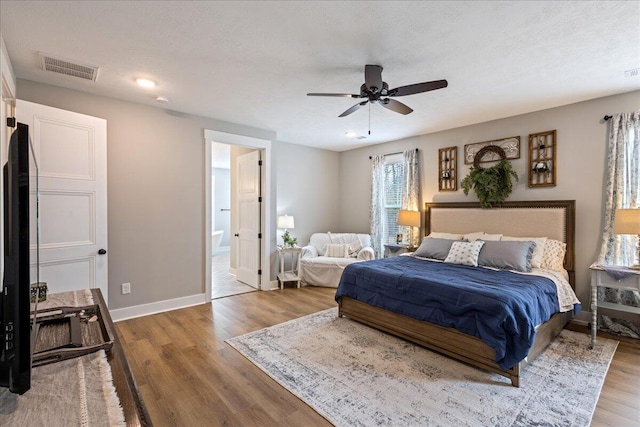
(248, 188)
(71, 152)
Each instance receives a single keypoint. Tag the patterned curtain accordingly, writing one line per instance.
(377, 212)
(411, 190)
(622, 190)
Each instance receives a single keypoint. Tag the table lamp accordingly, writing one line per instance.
(628, 222)
(409, 219)
(286, 222)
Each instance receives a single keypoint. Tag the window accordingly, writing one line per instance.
(393, 172)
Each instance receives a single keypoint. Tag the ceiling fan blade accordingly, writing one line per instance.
(418, 88)
(373, 77)
(396, 106)
(346, 95)
(354, 108)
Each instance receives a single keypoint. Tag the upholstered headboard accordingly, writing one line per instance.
(554, 219)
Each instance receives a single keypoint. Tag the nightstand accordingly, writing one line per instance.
(290, 275)
(600, 278)
(391, 250)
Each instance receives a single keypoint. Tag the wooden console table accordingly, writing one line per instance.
(135, 413)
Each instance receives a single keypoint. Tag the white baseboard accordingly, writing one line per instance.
(125, 313)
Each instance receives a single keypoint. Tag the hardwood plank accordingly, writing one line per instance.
(188, 375)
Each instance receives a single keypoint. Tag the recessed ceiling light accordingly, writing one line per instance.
(162, 99)
(350, 134)
(145, 83)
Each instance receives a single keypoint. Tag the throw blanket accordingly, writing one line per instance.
(500, 307)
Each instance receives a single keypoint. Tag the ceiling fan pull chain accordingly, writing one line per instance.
(369, 118)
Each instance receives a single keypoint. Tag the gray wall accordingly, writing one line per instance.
(308, 189)
(582, 144)
(156, 178)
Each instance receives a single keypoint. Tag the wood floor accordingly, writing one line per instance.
(188, 376)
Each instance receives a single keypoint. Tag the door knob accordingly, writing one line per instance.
(237, 235)
(102, 251)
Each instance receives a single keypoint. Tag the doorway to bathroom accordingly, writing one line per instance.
(223, 275)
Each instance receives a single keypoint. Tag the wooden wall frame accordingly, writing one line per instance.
(542, 159)
(511, 147)
(448, 169)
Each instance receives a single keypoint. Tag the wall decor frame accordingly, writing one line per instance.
(448, 169)
(542, 159)
(510, 145)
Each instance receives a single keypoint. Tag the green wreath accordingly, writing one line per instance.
(492, 185)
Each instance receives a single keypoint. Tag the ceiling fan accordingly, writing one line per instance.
(375, 90)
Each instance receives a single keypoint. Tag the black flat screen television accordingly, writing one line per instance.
(15, 319)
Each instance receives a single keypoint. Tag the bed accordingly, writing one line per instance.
(553, 219)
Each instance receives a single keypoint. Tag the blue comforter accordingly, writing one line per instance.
(500, 307)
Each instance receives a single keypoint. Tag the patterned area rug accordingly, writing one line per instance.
(354, 375)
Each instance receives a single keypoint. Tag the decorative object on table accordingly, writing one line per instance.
(542, 159)
(627, 221)
(408, 218)
(510, 146)
(286, 222)
(492, 185)
(38, 292)
(448, 169)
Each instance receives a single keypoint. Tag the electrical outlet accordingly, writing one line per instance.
(126, 288)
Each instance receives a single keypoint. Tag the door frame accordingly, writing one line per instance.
(264, 145)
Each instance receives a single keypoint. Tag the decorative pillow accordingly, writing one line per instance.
(553, 257)
(509, 255)
(465, 253)
(354, 248)
(434, 248)
(337, 250)
(536, 260)
(449, 236)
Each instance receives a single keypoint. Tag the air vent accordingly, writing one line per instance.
(69, 68)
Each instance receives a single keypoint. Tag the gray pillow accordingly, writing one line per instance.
(509, 255)
(434, 248)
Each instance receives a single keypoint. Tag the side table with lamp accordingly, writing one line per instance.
(409, 219)
(289, 246)
(627, 221)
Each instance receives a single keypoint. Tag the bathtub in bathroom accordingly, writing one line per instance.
(216, 238)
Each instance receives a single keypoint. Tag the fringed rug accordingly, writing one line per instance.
(354, 375)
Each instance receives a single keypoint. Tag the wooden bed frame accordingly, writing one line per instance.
(555, 219)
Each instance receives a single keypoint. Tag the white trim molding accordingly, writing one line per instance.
(125, 313)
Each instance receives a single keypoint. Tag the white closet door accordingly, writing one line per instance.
(71, 152)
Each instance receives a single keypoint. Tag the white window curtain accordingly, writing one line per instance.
(622, 190)
(411, 191)
(377, 212)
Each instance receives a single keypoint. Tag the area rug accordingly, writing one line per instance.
(354, 375)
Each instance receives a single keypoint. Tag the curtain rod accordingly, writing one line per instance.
(391, 154)
(606, 118)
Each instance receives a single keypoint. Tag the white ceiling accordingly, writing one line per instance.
(253, 63)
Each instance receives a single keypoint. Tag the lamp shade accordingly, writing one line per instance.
(627, 221)
(286, 222)
(409, 218)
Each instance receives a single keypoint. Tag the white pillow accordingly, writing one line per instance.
(472, 237)
(337, 250)
(448, 236)
(354, 248)
(481, 235)
(538, 251)
(465, 253)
